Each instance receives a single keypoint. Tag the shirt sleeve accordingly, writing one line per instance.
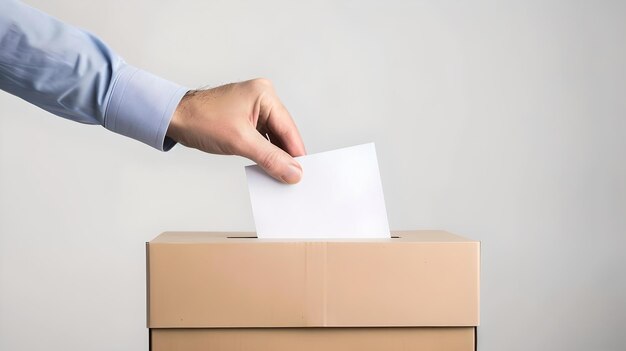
(73, 74)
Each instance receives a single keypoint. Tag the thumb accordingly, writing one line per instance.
(276, 162)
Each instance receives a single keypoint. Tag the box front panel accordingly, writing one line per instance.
(313, 284)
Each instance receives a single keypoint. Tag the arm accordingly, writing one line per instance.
(73, 74)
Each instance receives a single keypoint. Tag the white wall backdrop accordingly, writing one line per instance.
(504, 121)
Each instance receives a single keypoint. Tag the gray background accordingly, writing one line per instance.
(501, 121)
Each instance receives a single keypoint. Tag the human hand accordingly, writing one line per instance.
(233, 119)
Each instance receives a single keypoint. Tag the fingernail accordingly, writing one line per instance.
(292, 174)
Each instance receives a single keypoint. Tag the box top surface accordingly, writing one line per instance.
(250, 237)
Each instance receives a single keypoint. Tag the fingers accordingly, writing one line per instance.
(277, 121)
(282, 127)
(271, 158)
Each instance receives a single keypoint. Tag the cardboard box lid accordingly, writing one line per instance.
(314, 339)
(213, 280)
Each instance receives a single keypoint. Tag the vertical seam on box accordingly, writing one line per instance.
(325, 285)
(309, 315)
(306, 287)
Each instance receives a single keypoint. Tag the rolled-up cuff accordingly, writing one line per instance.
(141, 106)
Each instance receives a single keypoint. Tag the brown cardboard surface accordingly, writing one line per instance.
(215, 280)
(314, 339)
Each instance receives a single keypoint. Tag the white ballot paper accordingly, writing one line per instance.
(340, 196)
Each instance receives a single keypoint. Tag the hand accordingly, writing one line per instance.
(233, 120)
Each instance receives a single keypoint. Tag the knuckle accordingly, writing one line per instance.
(261, 83)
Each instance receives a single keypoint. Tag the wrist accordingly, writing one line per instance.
(181, 114)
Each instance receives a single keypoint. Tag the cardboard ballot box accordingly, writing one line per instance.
(232, 291)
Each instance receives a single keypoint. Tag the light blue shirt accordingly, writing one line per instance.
(73, 74)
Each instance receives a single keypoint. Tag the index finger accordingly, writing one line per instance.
(283, 130)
